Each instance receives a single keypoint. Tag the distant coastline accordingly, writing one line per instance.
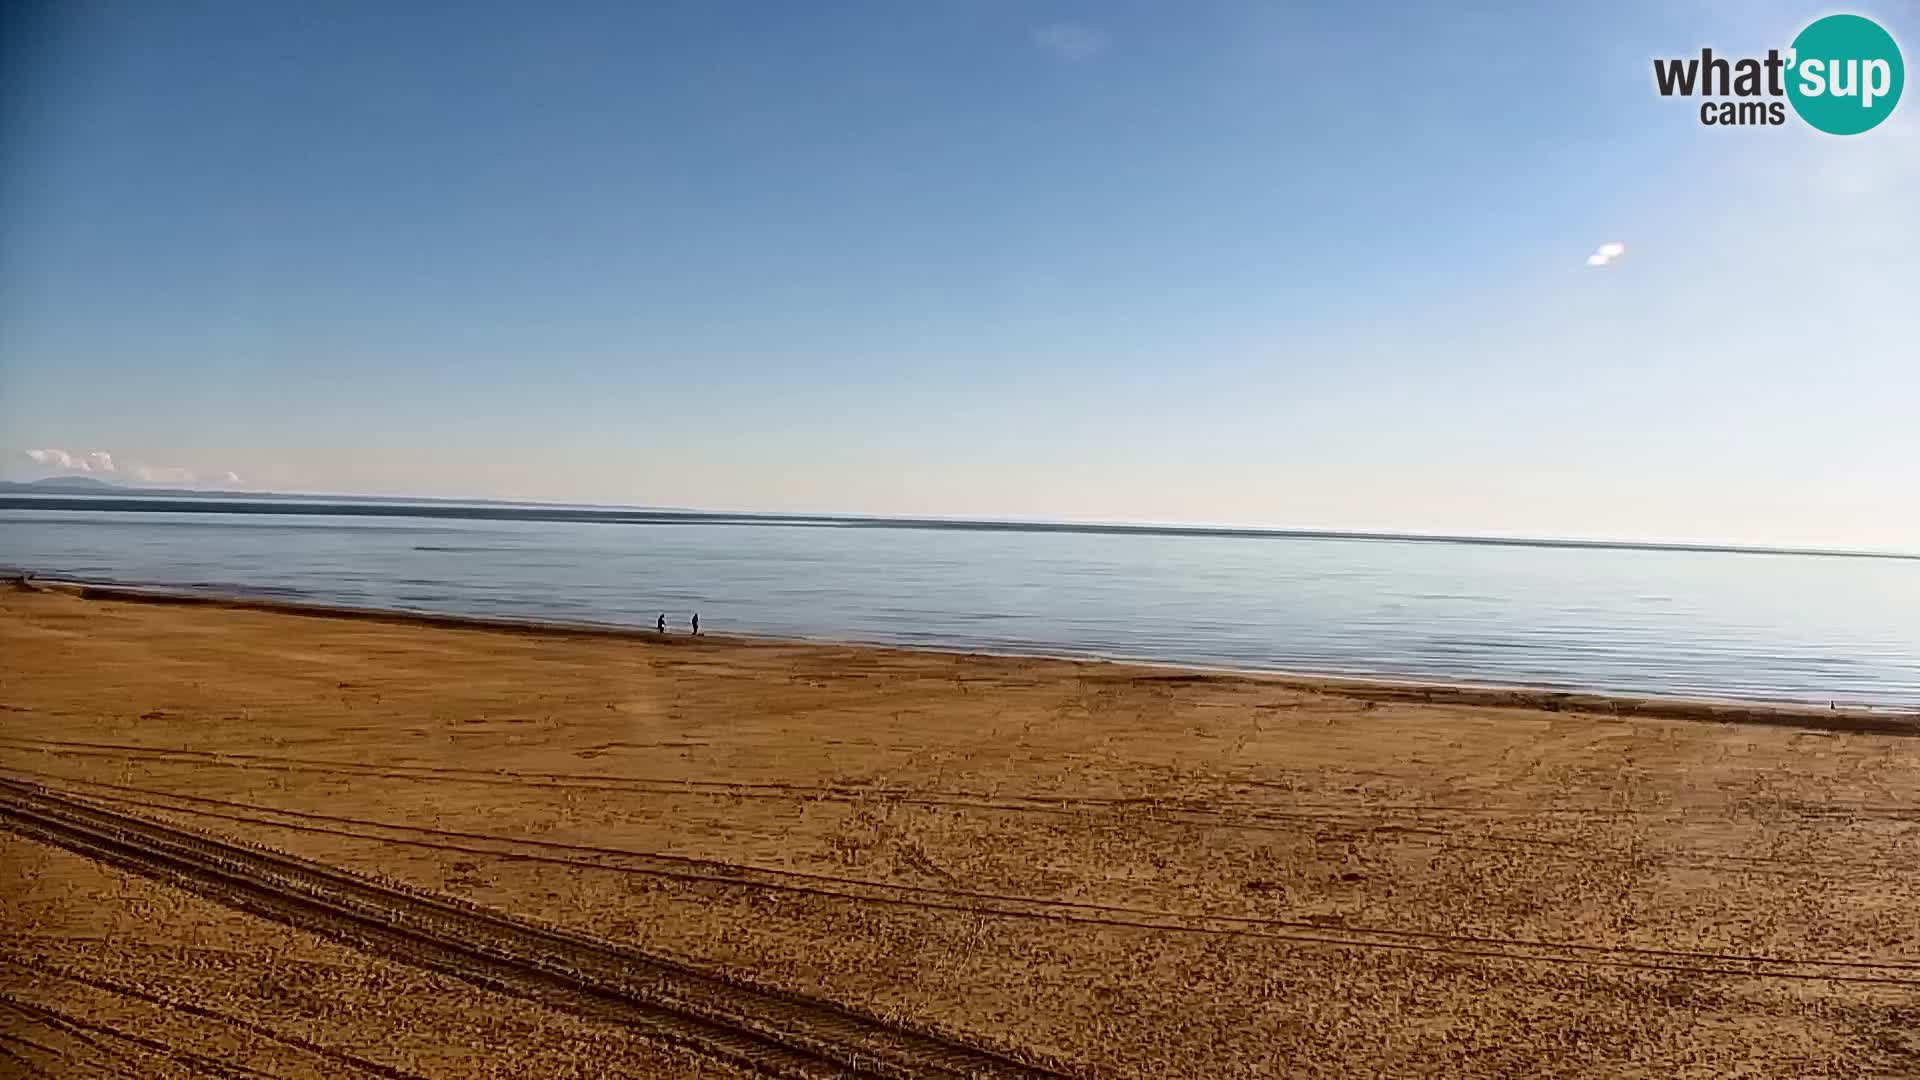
(111, 499)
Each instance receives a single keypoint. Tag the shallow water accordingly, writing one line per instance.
(1692, 623)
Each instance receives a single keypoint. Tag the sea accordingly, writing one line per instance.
(1704, 623)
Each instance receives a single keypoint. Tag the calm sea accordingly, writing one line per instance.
(1716, 624)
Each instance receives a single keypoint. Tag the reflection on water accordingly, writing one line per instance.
(1667, 622)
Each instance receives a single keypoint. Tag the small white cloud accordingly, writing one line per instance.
(101, 461)
(1071, 41)
(1606, 253)
(232, 479)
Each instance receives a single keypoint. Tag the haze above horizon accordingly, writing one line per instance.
(1321, 269)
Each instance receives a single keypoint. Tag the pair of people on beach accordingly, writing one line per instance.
(661, 624)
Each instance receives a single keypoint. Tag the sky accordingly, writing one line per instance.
(1264, 264)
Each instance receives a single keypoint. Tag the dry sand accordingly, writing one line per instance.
(1137, 872)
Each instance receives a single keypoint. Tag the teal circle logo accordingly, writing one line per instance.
(1845, 74)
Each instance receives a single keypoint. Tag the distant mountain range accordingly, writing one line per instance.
(62, 483)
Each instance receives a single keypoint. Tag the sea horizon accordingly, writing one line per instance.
(1612, 618)
(17, 495)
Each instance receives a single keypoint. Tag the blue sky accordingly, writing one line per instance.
(1250, 263)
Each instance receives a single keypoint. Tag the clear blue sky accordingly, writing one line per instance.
(1254, 263)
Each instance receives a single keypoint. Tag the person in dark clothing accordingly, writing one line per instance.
(661, 626)
(696, 622)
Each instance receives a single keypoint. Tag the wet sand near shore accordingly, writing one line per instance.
(1112, 870)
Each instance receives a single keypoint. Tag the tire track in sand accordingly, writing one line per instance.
(337, 1057)
(1307, 931)
(769, 1032)
(1434, 826)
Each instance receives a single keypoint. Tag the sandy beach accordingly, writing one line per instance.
(1027, 867)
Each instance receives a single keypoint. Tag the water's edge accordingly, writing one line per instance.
(1599, 706)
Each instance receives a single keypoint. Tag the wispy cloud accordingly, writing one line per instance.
(94, 461)
(1606, 253)
(1071, 41)
(100, 462)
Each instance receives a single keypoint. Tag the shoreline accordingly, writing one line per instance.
(1850, 719)
(1067, 859)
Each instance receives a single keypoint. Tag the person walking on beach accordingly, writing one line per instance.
(661, 626)
(696, 623)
